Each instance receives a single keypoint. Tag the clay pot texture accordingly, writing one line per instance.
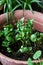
(38, 25)
(8, 61)
(27, 14)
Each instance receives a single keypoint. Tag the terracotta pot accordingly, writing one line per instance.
(38, 25)
(1, 8)
(8, 61)
(37, 16)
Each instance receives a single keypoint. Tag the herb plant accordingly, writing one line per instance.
(25, 37)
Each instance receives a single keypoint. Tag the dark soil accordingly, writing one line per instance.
(19, 56)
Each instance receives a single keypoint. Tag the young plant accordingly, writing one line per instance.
(22, 34)
(8, 37)
(22, 38)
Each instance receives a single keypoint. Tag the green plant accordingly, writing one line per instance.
(29, 40)
(14, 4)
(9, 5)
(26, 4)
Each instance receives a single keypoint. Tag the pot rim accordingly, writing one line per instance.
(2, 56)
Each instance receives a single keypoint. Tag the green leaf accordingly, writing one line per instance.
(24, 6)
(37, 54)
(41, 63)
(9, 50)
(41, 34)
(19, 3)
(30, 7)
(5, 7)
(5, 43)
(1, 3)
(23, 49)
(30, 48)
(37, 1)
(1, 33)
(14, 8)
(33, 38)
(22, 20)
(9, 38)
(30, 61)
(17, 37)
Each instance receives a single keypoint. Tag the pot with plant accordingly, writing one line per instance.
(22, 8)
(23, 41)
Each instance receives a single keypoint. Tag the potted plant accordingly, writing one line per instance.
(34, 37)
(20, 42)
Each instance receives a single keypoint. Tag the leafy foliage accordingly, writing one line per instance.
(14, 4)
(26, 4)
(30, 40)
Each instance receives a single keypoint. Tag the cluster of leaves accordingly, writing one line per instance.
(14, 4)
(9, 5)
(26, 4)
(36, 55)
(23, 32)
(7, 36)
